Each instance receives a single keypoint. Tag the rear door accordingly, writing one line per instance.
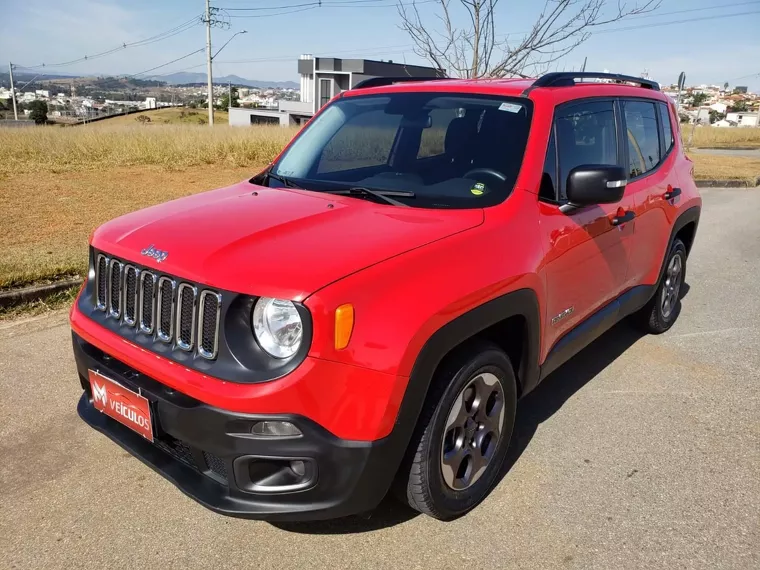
(587, 255)
(652, 180)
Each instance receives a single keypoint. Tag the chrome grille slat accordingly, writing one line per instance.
(147, 303)
(167, 310)
(101, 282)
(209, 310)
(131, 278)
(185, 327)
(114, 295)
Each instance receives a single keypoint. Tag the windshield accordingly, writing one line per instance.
(431, 150)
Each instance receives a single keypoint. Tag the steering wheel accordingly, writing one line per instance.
(487, 172)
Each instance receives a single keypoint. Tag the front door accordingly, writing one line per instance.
(587, 251)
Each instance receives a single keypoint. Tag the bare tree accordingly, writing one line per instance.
(474, 49)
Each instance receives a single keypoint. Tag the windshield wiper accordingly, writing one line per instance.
(286, 181)
(383, 195)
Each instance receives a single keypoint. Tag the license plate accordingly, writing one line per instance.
(122, 404)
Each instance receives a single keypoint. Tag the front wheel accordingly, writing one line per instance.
(464, 431)
(659, 314)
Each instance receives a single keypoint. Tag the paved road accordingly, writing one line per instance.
(749, 153)
(640, 453)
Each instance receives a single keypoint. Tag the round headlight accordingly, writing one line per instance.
(277, 326)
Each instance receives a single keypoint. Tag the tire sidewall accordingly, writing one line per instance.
(678, 248)
(451, 502)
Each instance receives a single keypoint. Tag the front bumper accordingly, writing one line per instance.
(210, 455)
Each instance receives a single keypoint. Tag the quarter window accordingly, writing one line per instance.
(548, 188)
(667, 128)
(585, 134)
(642, 136)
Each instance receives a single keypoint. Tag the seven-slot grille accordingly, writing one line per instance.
(158, 305)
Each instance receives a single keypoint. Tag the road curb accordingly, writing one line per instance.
(36, 292)
(728, 183)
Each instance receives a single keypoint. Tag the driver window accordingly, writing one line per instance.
(365, 140)
(585, 134)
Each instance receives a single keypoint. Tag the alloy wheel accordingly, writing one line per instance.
(473, 430)
(672, 286)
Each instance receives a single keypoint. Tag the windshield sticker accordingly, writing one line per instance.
(510, 107)
(478, 189)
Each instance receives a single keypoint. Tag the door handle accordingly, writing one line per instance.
(621, 218)
(671, 193)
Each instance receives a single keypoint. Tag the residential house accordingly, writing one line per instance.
(321, 79)
(744, 119)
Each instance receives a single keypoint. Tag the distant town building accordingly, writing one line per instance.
(321, 79)
(743, 119)
(740, 89)
(150, 103)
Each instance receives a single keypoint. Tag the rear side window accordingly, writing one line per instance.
(667, 128)
(585, 135)
(642, 137)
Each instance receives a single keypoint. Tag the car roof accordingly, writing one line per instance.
(514, 87)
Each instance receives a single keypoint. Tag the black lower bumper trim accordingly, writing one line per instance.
(348, 477)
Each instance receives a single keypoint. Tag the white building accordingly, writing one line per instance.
(42, 93)
(744, 119)
(719, 107)
(150, 103)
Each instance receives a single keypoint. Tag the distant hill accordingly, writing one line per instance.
(200, 78)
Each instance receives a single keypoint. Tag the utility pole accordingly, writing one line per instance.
(13, 92)
(208, 63)
(229, 95)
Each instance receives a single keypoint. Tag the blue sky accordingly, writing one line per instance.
(714, 49)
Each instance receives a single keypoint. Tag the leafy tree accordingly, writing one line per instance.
(739, 107)
(39, 111)
(224, 103)
(715, 116)
(698, 98)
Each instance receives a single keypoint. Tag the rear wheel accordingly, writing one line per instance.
(662, 310)
(459, 446)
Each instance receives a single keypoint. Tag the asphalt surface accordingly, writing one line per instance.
(747, 152)
(642, 452)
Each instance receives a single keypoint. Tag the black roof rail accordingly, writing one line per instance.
(382, 81)
(567, 79)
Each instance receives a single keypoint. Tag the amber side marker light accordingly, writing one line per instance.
(344, 325)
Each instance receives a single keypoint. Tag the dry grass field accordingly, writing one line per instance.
(712, 137)
(167, 116)
(58, 184)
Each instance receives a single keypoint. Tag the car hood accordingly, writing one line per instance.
(279, 242)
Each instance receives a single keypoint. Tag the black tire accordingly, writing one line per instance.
(420, 481)
(654, 318)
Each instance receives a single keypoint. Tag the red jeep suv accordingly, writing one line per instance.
(365, 313)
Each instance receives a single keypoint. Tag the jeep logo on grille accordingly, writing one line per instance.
(156, 254)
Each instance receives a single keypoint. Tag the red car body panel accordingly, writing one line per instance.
(407, 272)
(274, 242)
(350, 402)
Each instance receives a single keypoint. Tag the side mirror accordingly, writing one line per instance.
(596, 184)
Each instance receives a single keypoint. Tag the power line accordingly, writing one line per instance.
(147, 41)
(704, 8)
(660, 24)
(303, 7)
(164, 64)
